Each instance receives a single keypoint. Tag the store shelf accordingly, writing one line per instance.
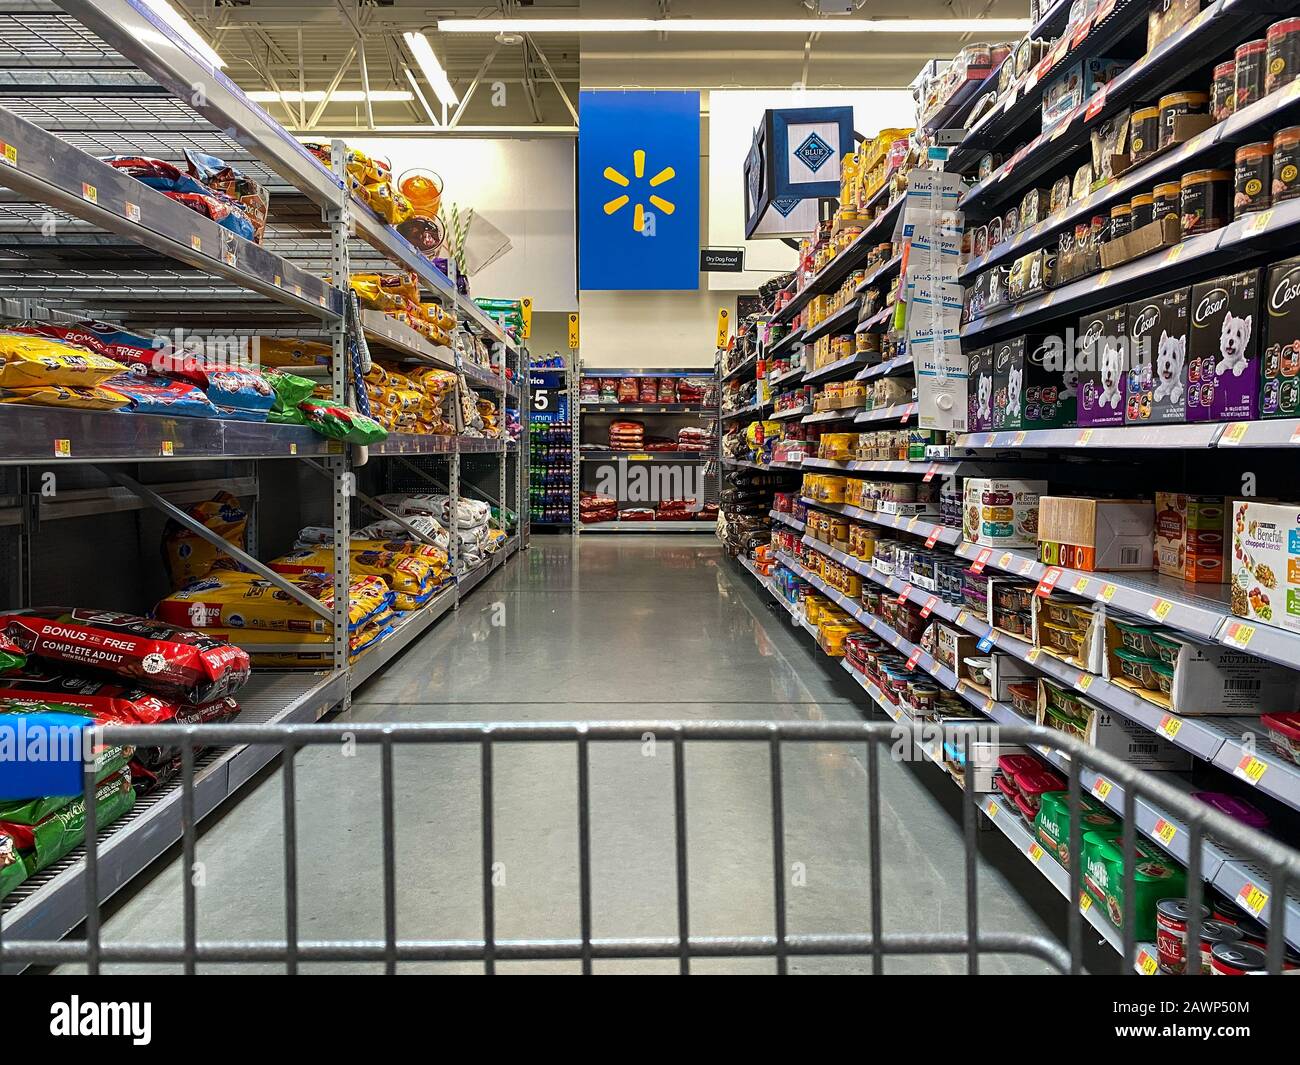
(839, 321)
(886, 368)
(785, 345)
(399, 338)
(650, 526)
(52, 903)
(781, 378)
(590, 407)
(787, 519)
(744, 464)
(1144, 437)
(833, 273)
(898, 412)
(844, 414)
(742, 412)
(792, 412)
(481, 377)
(414, 444)
(873, 324)
(609, 455)
(50, 171)
(919, 525)
(834, 369)
(481, 445)
(405, 632)
(746, 365)
(879, 273)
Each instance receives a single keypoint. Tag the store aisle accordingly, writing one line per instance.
(623, 627)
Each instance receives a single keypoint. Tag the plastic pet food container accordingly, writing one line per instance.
(1205, 202)
(1137, 638)
(1063, 638)
(1024, 699)
(1165, 647)
(1033, 784)
(1138, 668)
(1164, 677)
(1238, 809)
(1284, 731)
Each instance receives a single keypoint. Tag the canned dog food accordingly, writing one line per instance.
(1206, 201)
(1282, 54)
(1011, 222)
(1121, 216)
(1252, 182)
(1171, 933)
(1222, 91)
(1176, 104)
(1237, 959)
(1144, 136)
(1140, 210)
(1248, 77)
(1286, 164)
(1165, 200)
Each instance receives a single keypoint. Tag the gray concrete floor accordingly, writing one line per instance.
(623, 628)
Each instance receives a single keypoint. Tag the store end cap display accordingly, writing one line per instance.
(794, 159)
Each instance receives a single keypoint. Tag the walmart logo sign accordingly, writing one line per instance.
(639, 190)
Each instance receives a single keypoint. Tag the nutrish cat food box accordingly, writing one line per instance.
(1223, 376)
(1102, 341)
(1157, 347)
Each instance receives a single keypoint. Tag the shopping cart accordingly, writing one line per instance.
(1277, 867)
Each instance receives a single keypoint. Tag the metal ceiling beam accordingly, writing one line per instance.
(546, 65)
(333, 86)
(419, 95)
(464, 100)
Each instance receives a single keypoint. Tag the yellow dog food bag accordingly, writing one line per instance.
(35, 362)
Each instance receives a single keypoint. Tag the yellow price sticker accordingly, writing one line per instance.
(1101, 788)
(1252, 898)
(1161, 609)
(63, 449)
(1239, 635)
(168, 448)
(1019, 438)
(1165, 832)
(196, 242)
(1104, 279)
(89, 193)
(293, 448)
(991, 809)
(961, 617)
(1081, 585)
(1085, 902)
(1170, 726)
(1146, 964)
(1084, 437)
(1260, 222)
(1233, 434)
(1005, 560)
(1035, 852)
(1107, 593)
(1084, 682)
(1173, 253)
(1034, 652)
(11, 155)
(1250, 768)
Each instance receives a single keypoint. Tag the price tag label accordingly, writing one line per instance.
(1107, 593)
(1160, 610)
(1047, 582)
(1084, 681)
(1250, 769)
(293, 448)
(1005, 560)
(1174, 253)
(89, 193)
(1080, 33)
(1101, 788)
(1018, 439)
(933, 538)
(903, 594)
(1085, 902)
(196, 242)
(132, 212)
(1027, 565)
(913, 522)
(168, 449)
(1260, 221)
(63, 449)
(1169, 726)
(1084, 436)
(1233, 434)
(1079, 586)
(986, 642)
(1146, 964)
(913, 658)
(929, 474)
(961, 618)
(1035, 852)
(639, 456)
(1062, 127)
(8, 154)
(1095, 105)
(929, 606)
(1033, 656)
(1239, 635)
(1165, 832)
(1251, 898)
(991, 809)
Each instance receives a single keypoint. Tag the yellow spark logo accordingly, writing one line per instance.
(638, 169)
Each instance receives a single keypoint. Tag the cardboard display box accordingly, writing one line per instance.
(1157, 375)
(1163, 233)
(1001, 512)
(1266, 564)
(1096, 535)
(1028, 395)
(1108, 731)
(1223, 373)
(1192, 535)
(1102, 338)
(1280, 392)
(1208, 680)
(952, 645)
(1080, 641)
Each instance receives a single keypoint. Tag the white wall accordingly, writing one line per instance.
(523, 187)
(733, 115)
(652, 329)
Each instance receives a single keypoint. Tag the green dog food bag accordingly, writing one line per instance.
(11, 655)
(343, 423)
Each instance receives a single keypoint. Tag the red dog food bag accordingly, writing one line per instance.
(171, 661)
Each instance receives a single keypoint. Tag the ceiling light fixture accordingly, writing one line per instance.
(419, 45)
(185, 30)
(341, 96)
(723, 25)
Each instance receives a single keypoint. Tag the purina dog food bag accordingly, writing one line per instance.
(1157, 375)
(1100, 360)
(1223, 374)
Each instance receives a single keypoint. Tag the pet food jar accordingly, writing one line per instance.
(1140, 211)
(1206, 201)
(1252, 178)
(1286, 164)
(1144, 136)
(1121, 220)
(1282, 54)
(1222, 91)
(1165, 200)
(1177, 104)
(1248, 79)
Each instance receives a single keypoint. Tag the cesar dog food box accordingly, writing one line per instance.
(1223, 375)
(1026, 393)
(1101, 365)
(1157, 349)
(979, 381)
(1280, 390)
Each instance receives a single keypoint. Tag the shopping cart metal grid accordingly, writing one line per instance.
(1281, 863)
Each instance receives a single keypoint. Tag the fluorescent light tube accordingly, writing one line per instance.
(418, 43)
(187, 32)
(746, 26)
(342, 96)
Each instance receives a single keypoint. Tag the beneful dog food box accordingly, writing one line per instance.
(1223, 377)
(1028, 395)
(1099, 359)
(1001, 512)
(979, 380)
(1280, 390)
(1192, 535)
(1266, 563)
(1157, 356)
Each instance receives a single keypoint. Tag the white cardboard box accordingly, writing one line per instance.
(1266, 563)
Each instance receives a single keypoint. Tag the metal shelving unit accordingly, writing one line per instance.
(122, 252)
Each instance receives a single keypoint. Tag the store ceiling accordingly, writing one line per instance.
(297, 46)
